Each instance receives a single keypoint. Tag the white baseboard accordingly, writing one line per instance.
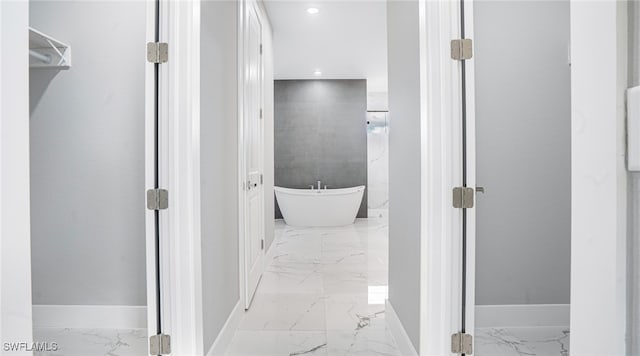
(90, 316)
(405, 346)
(226, 333)
(528, 315)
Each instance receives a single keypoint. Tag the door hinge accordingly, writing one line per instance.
(261, 113)
(160, 344)
(262, 244)
(462, 49)
(462, 343)
(261, 179)
(157, 52)
(463, 197)
(157, 199)
(261, 48)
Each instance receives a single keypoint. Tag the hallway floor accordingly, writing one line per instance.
(323, 293)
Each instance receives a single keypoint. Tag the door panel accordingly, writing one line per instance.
(254, 192)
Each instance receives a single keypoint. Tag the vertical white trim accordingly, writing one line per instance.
(15, 238)
(241, 165)
(440, 266)
(181, 267)
(598, 177)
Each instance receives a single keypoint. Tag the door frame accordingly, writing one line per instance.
(243, 7)
(598, 177)
(599, 186)
(179, 160)
(440, 117)
(15, 227)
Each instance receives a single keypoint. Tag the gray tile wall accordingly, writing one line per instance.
(320, 134)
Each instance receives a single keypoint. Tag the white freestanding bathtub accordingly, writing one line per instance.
(319, 207)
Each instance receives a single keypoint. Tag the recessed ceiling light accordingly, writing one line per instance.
(313, 10)
(317, 72)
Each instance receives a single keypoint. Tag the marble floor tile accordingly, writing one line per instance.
(537, 341)
(354, 312)
(90, 342)
(361, 342)
(285, 312)
(323, 293)
(292, 278)
(277, 343)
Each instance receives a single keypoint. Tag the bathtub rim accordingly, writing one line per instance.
(322, 192)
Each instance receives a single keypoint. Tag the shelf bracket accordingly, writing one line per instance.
(47, 52)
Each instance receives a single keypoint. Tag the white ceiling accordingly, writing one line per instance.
(345, 40)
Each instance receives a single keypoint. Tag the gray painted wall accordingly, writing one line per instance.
(523, 152)
(404, 164)
(320, 134)
(218, 159)
(634, 195)
(87, 157)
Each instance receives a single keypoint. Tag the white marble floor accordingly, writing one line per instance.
(538, 341)
(323, 293)
(91, 342)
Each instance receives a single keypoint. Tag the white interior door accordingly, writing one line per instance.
(252, 127)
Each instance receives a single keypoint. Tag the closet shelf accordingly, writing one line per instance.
(47, 52)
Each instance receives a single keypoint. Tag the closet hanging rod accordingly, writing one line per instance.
(44, 58)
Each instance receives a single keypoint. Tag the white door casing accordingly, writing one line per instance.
(441, 162)
(180, 279)
(252, 160)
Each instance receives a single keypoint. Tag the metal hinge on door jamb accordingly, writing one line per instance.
(463, 197)
(462, 343)
(160, 344)
(157, 199)
(157, 52)
(462, 49)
